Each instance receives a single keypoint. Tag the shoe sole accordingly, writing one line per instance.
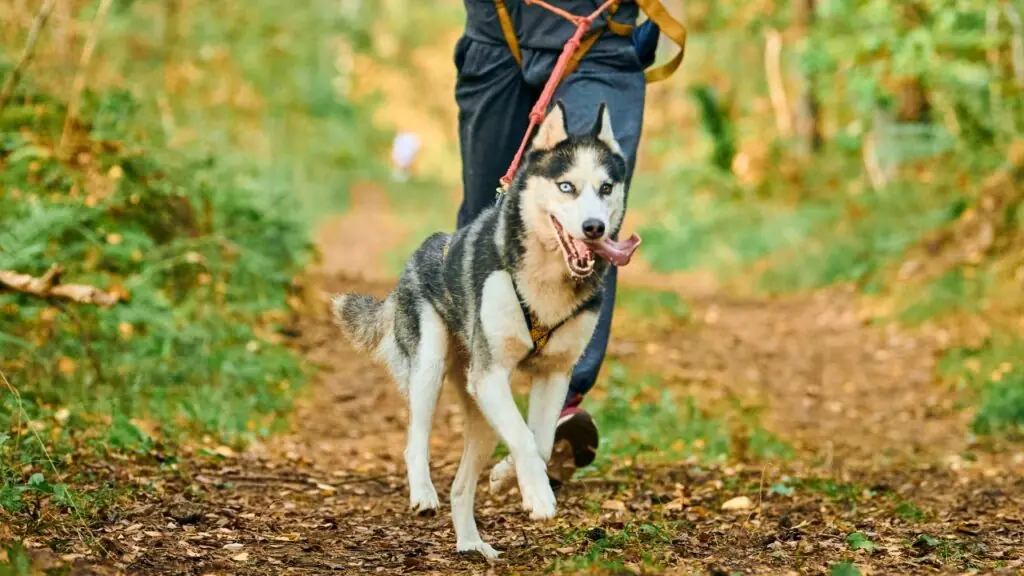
(576, 442)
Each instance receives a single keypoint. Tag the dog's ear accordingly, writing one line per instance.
(602, 129)
(553, 129)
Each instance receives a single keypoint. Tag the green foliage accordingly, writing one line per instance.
(716, 122)
(843, 569)
(1002, 405)
(764, 445)
(203, 259)
(878, 47)
(606, 551)
(858, 541)
(909, 512)
(859, 250)
(652, 304)
(993, 369)
(951, 292)
(261, 85)
(638, 417)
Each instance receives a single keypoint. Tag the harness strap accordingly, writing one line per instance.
(617, 27)
(508, 30)
(675, 32)
(654, 10)
(585, 45)
(539, 333)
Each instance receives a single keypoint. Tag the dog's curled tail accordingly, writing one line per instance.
(362, 318)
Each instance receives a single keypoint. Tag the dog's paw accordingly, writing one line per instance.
(423, 500)
(538, 498)
(502, 476)
(490, 554)
(540, 503)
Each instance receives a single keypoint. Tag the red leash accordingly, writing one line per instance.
(539, 111)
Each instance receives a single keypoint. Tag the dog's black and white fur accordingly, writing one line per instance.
(458, 311)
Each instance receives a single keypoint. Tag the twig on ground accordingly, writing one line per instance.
(604, 481)
(760, 495)
(26, 55)
(83, 67)
(48, 286)
(304, 481)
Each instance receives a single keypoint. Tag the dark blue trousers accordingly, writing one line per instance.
(495, 95)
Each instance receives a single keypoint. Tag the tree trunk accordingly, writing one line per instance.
(912, 103)
(808, 108)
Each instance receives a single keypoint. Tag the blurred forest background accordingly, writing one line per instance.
(191, 160)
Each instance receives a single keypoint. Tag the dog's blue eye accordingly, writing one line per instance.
(566, 187)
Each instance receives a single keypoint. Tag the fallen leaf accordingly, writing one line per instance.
(737, 503)
(616, 505)
(66, 366)
(677, 504)
(241, 557)
(234, 546)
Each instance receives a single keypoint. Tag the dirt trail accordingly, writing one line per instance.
(859, 404)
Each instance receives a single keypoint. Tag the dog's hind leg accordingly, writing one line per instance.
(424, 385)
(479, 441)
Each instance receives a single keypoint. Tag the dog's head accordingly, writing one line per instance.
(574, 191)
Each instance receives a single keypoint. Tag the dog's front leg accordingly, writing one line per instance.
(546, 399)
(493, 393)
(547, 394)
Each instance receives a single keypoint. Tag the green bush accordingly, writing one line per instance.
(203, 259)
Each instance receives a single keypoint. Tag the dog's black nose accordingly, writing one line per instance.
(593, 228)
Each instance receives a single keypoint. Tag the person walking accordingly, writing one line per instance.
(503, 59)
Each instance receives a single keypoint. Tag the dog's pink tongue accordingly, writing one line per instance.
(618, 253)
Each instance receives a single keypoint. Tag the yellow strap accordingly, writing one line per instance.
(617, 27)
(670, 27)
(509, 31)
(586, 44)
(654, 10)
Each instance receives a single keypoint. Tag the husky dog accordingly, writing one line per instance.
(519, 288)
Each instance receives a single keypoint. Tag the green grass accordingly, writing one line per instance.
(721, 232)
(909, 512)
(643, 303)
(995, 372)
(639, 417)
(204, 258)
(639, 542)
(951, 292)
(809, 237)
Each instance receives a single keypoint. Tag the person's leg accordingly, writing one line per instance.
(494, 110)
(624, 90)
(610, 73)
